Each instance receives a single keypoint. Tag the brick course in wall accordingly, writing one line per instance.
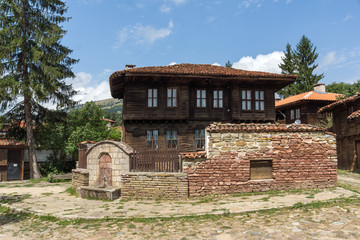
(302, 157)
(150, 185)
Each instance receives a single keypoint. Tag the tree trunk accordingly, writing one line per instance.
(34, 168)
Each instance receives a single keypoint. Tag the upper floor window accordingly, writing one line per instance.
(259, 100)
(295, 114)
(152, 139)
(171, 138)
(200, 98)
(171, 97)
(200, 138)
(218, 99)
(152, 97)
(246, 99)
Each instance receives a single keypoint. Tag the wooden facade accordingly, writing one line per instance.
(11, 160)
(346, 126)
(203, 94)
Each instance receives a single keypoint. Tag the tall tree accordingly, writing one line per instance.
(300, 61)
(228, 64)
(33, 63)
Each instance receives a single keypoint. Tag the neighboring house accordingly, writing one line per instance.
(346, 125)
(305, 106)
(170, 106)
(11, 159)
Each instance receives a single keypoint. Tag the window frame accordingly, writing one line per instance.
(200, 136)
(171, 98)
(259, 100)
(297, 113)
(171, 142)
(201, 99)
(255, 164)
(247, 100)
(151, 142)
(152, 100)
(292, 114)
(218, 101)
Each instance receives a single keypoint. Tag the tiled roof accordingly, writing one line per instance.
(253, 127)
(331, 106)
(355, 114)
(308, 96)
(4, 142)
(199, 69)
(193, 155)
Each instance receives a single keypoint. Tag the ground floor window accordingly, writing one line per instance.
(200, 138)
(152, 139)
(260, 169)
(171, 139)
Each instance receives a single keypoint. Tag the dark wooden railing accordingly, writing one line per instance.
(156, 160)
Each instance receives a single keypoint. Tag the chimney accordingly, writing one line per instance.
(319, 88)
(129, 66)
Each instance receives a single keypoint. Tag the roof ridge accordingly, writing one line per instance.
(308, 94)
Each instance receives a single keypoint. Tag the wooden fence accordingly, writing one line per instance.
(156, 160)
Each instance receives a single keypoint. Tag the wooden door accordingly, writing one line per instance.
(14, 165)
(105, 170)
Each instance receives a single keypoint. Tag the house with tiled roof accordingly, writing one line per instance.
(346, 125)
(170, 106)
(304, 107)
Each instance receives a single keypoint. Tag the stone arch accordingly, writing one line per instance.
(105, 170)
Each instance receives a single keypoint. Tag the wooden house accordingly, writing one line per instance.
(11, 159)
(346, 125)
(304, 107)
(170, 106)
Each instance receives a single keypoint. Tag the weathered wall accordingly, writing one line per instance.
(302, 157)
(80, 178)
(150, 185)
(120, 156)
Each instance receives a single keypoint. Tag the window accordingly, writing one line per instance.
(259, 100)
(218, 98)
(171, 97)
(171, 139)
(297, 113)
(292, 114)
(200, 138)
(200, 98)
(246, 99)
(152, 138)
(152, 97)
(260, 169)
(350, 109)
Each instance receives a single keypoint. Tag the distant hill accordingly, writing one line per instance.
(109, 105)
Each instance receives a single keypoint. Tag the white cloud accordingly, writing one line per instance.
(266, 63)
(249, 3)
(288, 1)
(216, 64)
(172, 63)
(178, 2)
(87, 90)
(165, 8)
(143, 34)
(347, 18)
(328, 60)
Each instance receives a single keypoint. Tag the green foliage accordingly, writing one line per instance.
(228, 64)
(53, 165)
(348, 89)
(300, 61)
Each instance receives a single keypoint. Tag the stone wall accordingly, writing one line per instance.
(302, 156)
(150, 185)
(80, 178)
(120, 154)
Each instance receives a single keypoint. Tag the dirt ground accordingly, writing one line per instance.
(338, 219)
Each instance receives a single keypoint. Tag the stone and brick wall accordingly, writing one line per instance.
(151, 185)
(302, 157)
(80, 178)
(119, 153)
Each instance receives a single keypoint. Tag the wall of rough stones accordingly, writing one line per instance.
(302, 157)
(80, 178)
(120, 154)
(151, 185)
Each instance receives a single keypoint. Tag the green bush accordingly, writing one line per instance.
(53, 166)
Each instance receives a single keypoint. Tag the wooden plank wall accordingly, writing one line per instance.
(3, 164)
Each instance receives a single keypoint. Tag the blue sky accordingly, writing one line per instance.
(107, 34)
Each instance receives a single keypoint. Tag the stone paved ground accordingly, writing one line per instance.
(333, 220)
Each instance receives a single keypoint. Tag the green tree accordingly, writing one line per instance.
(228, 64)
(348, 89)
(300, 61)
(33, 63)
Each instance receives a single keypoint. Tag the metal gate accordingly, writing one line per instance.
(14, 165)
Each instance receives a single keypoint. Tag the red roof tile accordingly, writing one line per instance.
(355, 114)
(8, 142)
(308, 96)
(194, 155)
(331, 106)
(253, 127)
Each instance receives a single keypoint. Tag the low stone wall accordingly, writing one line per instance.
(149, 185)
(80, 178)
(300, 156)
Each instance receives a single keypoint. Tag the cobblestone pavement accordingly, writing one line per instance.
(338, 219)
